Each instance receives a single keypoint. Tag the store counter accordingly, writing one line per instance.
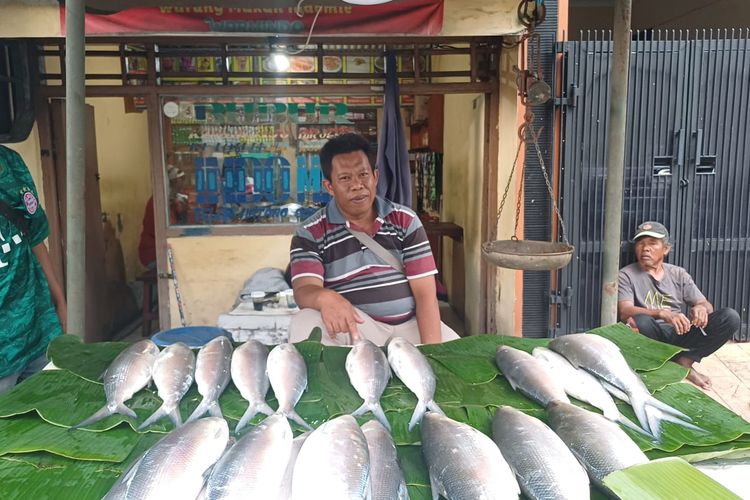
(269, 326)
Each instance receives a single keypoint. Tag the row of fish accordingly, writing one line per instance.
(338, 460)
(592, 369)
(252, 368)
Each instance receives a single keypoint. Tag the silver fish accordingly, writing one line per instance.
(287, 373)
(212, 372)
(386, 478)
(529, 376)
(463, 463)
(369, 374)
(175, 466)
(333, 464)
(285, 493)
(603, 358)
(250, 377)
(544, 466)
(254, 467)
(600, 445)
(127, 374)
(415, 372)
(583, 386)
(173, 376)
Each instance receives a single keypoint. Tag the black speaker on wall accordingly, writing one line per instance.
(16, 105)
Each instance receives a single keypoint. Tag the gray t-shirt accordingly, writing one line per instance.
(676, 291)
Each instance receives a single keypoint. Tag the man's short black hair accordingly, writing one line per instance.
(342, 144)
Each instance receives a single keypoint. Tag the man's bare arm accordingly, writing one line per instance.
(338, 314)
(428, 311)
(55, 289)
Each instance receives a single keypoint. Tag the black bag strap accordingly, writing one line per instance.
(377, 249)
(16, 217)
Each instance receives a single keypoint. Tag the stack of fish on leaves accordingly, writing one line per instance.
(547, 462)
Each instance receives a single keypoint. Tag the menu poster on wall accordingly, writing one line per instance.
(277, 17)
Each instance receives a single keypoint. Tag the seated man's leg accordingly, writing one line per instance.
(652, 329)
(722, 325)
(410, 331)
(306, 320)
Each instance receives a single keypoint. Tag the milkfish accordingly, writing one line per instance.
(175, 466)
(463, 463)
(285, 492)
(544, 466)
(369, 374)
(386, 477)
(173, 376)
(250, 377)
(583, 386)
(600, 445)
(603, 358)
(127, 374)
(412, 368)
(254, 466)
(529, 375)
(212, 372)
(287, 373)
(333, 464)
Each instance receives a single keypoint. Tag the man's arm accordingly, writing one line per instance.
(55, 289)
(626, 310)
(699, 313)
(338, 314)
(428, 312)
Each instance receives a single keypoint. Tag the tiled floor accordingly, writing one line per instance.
(729, 369)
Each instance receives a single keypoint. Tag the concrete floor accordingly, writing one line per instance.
(729, 370)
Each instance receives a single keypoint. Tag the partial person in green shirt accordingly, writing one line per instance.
(32, 303)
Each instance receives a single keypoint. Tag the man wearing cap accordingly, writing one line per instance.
(661, 301)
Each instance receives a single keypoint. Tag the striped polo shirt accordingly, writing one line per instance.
(324, 248)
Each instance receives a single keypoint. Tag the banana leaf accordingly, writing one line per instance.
(666, 479)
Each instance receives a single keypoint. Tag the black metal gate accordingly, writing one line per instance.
(687, 163)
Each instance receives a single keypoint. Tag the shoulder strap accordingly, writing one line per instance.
(377, 249)
(15, 217)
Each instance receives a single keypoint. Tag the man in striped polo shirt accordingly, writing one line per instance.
(340, 284)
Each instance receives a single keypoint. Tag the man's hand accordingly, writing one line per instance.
(339, 315)
(679, 321)
(699, 315)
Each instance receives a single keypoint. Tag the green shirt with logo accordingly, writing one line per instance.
(28, 320)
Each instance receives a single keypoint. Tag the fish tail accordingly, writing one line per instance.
(638, 402)
(652, 401)
(199, 411)
(175, 416)
(626, 422)
(377, 410)
(294, 416)
(101, 414)
(159, 413)
(252, 410)
(362, 409)
(215, 410)
(433, 406)
(419, 412)
(659, 416)
(654, 422)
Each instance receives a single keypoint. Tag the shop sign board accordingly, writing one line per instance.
(415, 17)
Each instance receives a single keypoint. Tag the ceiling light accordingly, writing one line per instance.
(279, 62)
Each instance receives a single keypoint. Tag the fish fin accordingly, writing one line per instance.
(198, 412)
(614, 391)
(175, 416)
(652, 401)
(626, 422)
(215, 410)
(419, 412)
(377, 410)
(100, 414)
(436, 487)
(294, 416)
(252, 410)
(638, 402)
(159, 413)
(433, 406)
(661, 416)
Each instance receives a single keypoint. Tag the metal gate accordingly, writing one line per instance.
(687, 163)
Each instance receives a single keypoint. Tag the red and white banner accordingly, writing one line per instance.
(413, 17)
